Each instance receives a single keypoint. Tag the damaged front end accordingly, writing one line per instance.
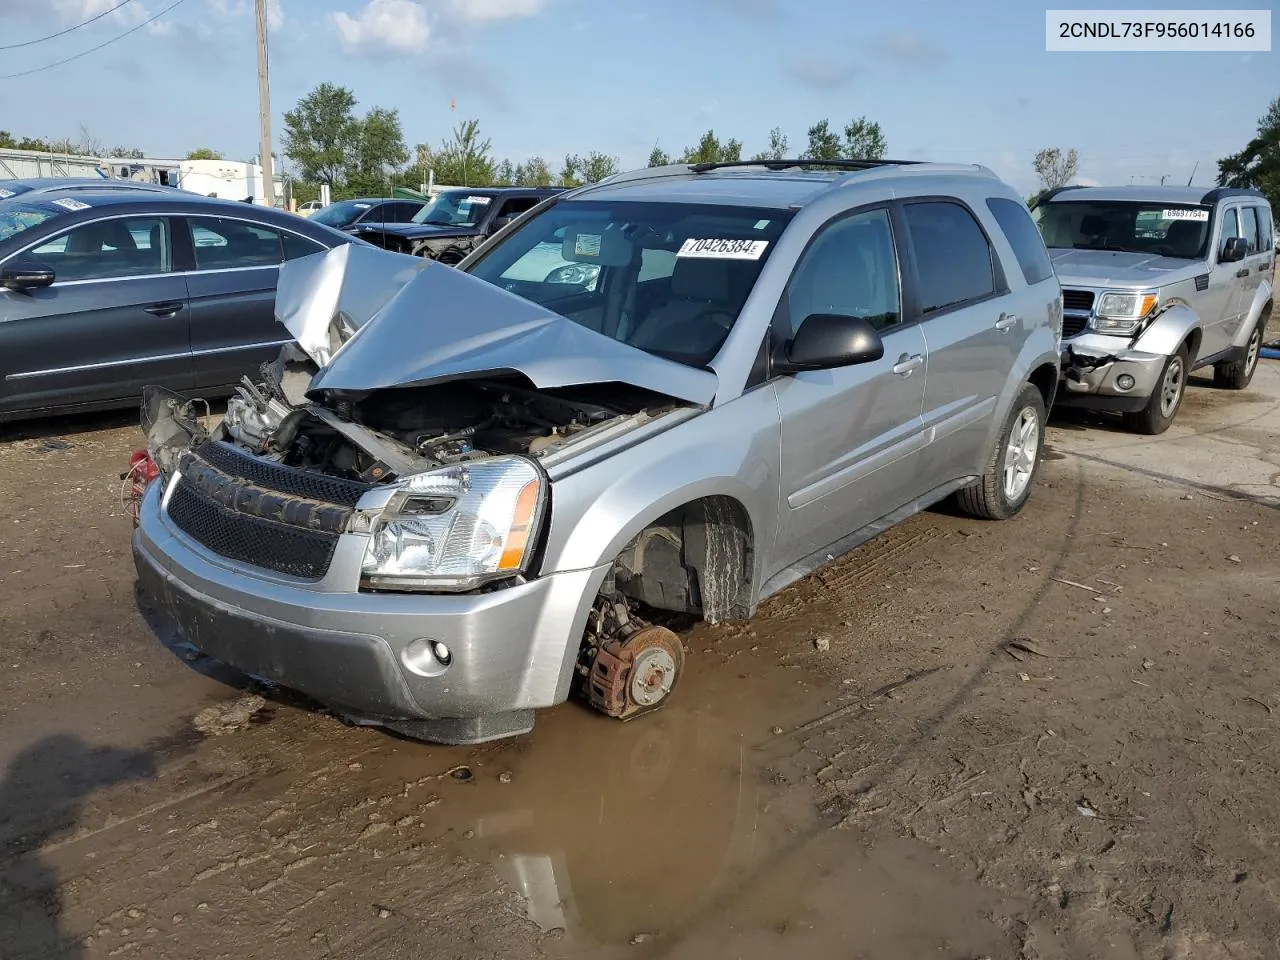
(419, 418)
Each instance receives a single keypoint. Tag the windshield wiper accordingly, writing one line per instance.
(1109, 247)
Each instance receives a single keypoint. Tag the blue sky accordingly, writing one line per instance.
(946, 80)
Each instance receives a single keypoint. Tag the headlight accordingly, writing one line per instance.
(1123, 313)
(456, 528)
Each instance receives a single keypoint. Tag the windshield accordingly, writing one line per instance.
(669, 278)
(341, 214)
(1159, 229)
(15, 217)
(455, 208)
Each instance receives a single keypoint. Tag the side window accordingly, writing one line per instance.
(403, 212)
(1249, 228)
(516, 206)
(224, 244)
(124, 247)
(953, 258)
(1230, 228)
(296, 246)
(1019, 229)
(1265, 234)
(850, 269)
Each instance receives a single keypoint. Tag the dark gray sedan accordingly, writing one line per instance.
(105, 292)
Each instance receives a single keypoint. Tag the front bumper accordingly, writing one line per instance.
(513, 650)
(1092, 366)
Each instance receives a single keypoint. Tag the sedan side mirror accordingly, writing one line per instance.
(1234, 250)
(25, 275)
(827, 340)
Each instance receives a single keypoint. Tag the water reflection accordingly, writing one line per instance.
(611, 830)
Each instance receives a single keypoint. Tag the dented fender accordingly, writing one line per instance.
(1168, 331)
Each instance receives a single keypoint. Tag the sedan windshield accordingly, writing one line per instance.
(342, 214)
(1158, 229)
(16, 217)
(669, 278)
(454, 208)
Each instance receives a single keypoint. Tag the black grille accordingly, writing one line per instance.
(1077, 300)
(1073, 326)
(291, 550)
(297, 483)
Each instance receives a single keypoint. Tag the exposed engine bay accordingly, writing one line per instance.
(391, 433)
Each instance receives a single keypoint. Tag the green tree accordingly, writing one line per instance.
(571, 172)
(1055, 168)
(504, 174)
(824, 143)
(778, 146)
(127, 153)
(1258, 164)
(709, 149)
(597, 166)
(380, 142)
(658, 157)
(864, 140)
(204, 153)
(534, 172)
(465, 159)
(320, 133)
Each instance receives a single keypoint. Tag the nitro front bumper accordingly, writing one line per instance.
(368, 655)
(1104, 373)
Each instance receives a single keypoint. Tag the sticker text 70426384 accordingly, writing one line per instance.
(721, 249)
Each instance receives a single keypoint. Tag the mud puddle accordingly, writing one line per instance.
(653, 833)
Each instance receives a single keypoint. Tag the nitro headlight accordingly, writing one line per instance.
(456, 528)
(1123, 313)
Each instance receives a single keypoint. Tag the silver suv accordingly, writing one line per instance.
(1157, 282)
(456, 499)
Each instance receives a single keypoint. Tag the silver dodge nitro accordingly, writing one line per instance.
(459, 495)
(1157, 282)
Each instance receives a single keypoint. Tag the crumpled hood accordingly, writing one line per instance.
(1109, 268)
(417, 322)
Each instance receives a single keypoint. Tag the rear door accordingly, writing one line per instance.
(114, 321)
(233, 265)
(851, 436)
(1220, 310)
(1254, 225)
(973, 332)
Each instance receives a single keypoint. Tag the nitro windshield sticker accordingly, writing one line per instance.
(586, 245)
(1185, 214)
(4, 194)
(68, 204)
(480, 200)
(723, 249)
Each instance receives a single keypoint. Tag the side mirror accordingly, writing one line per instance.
(827, 340)
(1234, 250)
(25, 275)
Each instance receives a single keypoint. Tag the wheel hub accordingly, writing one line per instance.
(627, 677)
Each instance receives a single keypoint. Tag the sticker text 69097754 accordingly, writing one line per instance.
(721, 249)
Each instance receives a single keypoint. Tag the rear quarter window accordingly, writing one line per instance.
(1020, 230)
(954, 262)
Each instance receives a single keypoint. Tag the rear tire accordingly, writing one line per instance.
(1011, 469)
(1165, 400)
(1236, 374)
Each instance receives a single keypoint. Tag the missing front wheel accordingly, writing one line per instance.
(627, 666)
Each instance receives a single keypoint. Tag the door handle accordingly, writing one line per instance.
(906, 364)
(1242, 272)
(165, 310)
(1006, 322)
(1264, 267)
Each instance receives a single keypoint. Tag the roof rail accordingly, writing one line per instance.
(1222, 193)
(842, 164)
(1045, 195)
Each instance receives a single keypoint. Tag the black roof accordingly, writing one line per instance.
(1225, 193)
(502, 191)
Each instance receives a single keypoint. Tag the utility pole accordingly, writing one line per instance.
(264, 111)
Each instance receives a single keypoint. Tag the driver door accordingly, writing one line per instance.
(851, 436)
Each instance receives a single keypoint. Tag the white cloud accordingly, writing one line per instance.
(396, 27)
(914, 49)
(820, 73)
(489, 11)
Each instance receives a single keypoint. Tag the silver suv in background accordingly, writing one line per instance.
(456, 499)
(1157, 282)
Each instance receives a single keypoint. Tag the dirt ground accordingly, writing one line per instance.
(1050, 738)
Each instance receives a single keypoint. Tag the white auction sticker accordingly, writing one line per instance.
(1185, 214)
(713, 249)
(477, 200)
(586, 245)
(5, 194)
(1146, 31)
(66, 203)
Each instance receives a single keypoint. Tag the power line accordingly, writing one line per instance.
(85, 53)
(61, 33)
